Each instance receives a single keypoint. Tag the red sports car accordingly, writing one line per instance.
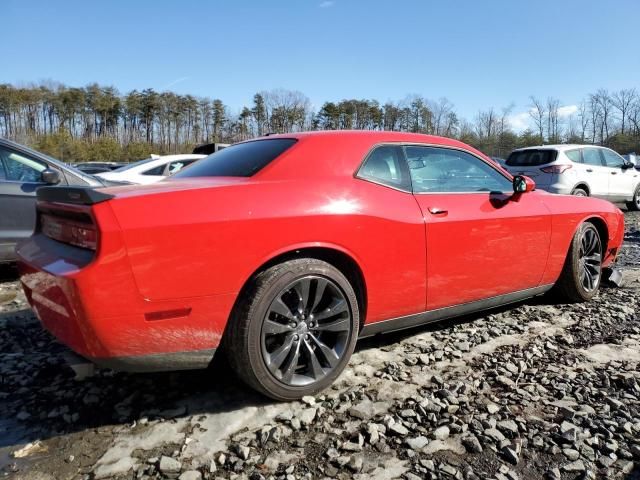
(284, 250)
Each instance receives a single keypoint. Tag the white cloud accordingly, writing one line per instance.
(520, 121)
(567, 111)
(327, 4)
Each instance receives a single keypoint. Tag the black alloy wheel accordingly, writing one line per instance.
(306, 331)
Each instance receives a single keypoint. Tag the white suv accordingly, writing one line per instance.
(579, 170)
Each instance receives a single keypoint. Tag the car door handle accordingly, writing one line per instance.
(589, 170)
(614, 173)
(437, 211)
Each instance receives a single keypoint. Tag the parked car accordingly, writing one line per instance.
(288, 248)
(209, 148)
(582, 170)
(22, 172)
(98, 167)
(151, 170)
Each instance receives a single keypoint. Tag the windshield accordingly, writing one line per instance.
(240, 160)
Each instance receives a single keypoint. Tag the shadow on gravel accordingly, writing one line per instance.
(40, 399)
(386, 339)
(8, 273)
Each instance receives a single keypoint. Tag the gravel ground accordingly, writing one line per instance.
(537, 390)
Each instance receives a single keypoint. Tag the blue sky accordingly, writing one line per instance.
(477, 53)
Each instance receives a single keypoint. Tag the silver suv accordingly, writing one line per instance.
(579, 170)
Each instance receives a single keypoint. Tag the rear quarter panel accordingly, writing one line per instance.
(209, 241)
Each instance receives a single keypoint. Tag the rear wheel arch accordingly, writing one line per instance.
(582, 186)
(603, 230)
(339, 259)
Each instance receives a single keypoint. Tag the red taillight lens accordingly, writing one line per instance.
(555, 168)
(67, 231)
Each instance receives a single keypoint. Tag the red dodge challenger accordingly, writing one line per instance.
(284, 250)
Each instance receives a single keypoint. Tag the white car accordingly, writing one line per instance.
(585, 170)
(150, 170)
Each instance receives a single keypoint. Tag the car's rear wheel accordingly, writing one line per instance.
(634, 205)
(579, 192)
(582, 272)
(294, 329)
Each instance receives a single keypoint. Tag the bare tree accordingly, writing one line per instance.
(553, 132)
(602, 101)
(623, 101)
(487, 123)
(583, 117)
(442, 110)
(538, 113)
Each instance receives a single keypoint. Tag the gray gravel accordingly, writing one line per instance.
(537, 390)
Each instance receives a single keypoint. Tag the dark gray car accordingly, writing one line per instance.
(22, 171)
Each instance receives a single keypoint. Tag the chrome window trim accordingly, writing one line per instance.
(464, 150)
(434, 145)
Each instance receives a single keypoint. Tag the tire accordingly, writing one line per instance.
(634, 205)
(582, 272)
(579, 192)
(271, 326)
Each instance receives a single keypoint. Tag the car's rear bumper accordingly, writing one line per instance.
(94, 308)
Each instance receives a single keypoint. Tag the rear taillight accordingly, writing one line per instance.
(78, 233)
(555, 168)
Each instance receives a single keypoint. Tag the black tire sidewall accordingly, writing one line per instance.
(633, 204)
(575, 262)
(289, 273)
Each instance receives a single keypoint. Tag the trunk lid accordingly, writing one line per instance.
(173, 185)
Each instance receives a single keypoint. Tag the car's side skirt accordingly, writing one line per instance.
(430, 316)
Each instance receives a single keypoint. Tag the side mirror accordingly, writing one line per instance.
(627, 164)
(522, 184)
(50, 177)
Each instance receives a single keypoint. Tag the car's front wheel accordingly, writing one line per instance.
(582, 271)
(294, 329)
(634, 205)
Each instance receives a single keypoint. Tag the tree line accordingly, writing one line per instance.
(99, 123)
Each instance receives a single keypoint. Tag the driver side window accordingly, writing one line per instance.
(445, 170)
(18, 168)
(612, 160)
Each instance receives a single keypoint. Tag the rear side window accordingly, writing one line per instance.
(385, 165)
(592, 156)
(531, 158)
(574, 155)
(241, 160)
